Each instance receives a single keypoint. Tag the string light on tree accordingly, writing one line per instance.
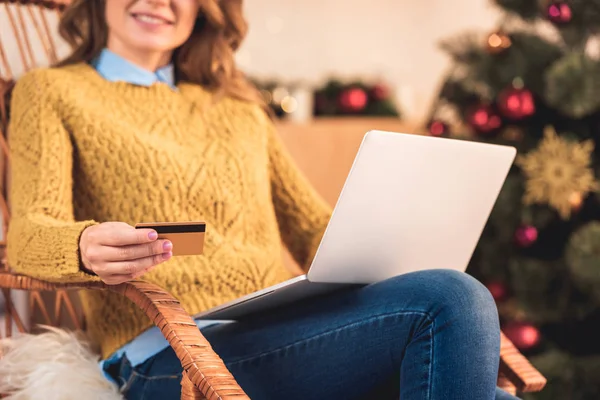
(289, 104)
(576, 200)
(498, 42)
(559, 12)
(526, 236)
(279, 93)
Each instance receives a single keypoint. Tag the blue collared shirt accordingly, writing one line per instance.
(115, 68)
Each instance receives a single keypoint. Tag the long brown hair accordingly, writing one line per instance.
(206, 58)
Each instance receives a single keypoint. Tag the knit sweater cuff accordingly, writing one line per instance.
(70, 267)
(70, 242)
(50, 251)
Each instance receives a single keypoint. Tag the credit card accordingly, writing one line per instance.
(187, 237)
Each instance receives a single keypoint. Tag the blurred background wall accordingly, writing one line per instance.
(312, 40)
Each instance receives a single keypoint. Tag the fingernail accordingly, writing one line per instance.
(168, 255)
(153, 235)
(167, 246)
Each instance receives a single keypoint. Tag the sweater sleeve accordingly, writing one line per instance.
(302, 214)
(43, 237)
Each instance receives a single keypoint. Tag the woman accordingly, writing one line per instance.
(149, 120)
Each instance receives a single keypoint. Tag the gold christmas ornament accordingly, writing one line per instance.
(556, 170)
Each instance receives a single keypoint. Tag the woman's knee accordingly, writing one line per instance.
(448, 294)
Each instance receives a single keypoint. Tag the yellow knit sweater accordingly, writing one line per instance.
(86, 150)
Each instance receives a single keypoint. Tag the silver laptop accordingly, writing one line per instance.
(409, 203)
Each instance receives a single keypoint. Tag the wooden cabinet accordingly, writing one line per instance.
(324, 149)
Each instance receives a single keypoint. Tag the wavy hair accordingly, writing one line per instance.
(206, 58)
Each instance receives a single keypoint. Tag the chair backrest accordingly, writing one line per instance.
(27, 39)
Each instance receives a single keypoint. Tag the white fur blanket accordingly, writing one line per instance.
(52, 365)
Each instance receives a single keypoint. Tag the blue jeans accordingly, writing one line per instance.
(423, 335)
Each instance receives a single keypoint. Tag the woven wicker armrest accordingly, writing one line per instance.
(204, 373)
(517, 369)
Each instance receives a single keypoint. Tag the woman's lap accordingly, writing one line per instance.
(434, 334)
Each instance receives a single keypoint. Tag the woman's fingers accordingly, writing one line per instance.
(136, 251)
(117, 279)
(122, 271)
(120, 234)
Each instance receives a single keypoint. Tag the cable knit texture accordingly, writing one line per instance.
(86, 150)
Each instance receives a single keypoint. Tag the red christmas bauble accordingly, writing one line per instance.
(526, 235)
(438, 128)
(516, 103)
(380, 92)
(484, 120)
(498, 290)
(560, 12)
(353, 100)
(523, 335)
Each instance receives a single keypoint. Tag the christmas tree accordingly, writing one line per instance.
(534, 83)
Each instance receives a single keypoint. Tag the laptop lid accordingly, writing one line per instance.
(410, 203)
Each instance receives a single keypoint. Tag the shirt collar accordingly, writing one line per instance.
(114, 68)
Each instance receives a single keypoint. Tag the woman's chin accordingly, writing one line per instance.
(154, 46)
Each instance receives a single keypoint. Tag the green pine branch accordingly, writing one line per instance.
(458, 92)
(583, 259)
(569, 377)
(586, 14)
(572, 85)
(545, 294)
(465, 48)
(560, 74)
(585, 20)
(526, 9)
(527, 58)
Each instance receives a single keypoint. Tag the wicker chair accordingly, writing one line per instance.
(204, 373)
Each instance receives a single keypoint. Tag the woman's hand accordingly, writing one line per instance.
(117, 252)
